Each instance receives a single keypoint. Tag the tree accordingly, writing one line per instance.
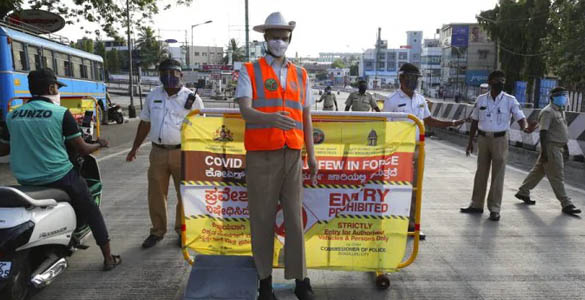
(565, 43)
(151, 50)
(338, 63)
(100, 49)
(354, 70)
(113, 61)
(238, 52)
(109, 14)
(519, 27)
(85, 44)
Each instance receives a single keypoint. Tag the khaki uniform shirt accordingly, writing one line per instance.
(329, 101)
(359, 102)
(553, 120)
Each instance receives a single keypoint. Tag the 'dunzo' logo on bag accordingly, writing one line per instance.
(271, 84)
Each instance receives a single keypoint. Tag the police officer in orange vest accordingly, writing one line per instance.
(275, 99)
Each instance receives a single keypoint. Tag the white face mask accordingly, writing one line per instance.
(277, 47)
(54, 98)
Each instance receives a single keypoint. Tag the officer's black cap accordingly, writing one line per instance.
(39, 80)
(496, 74)
(558, 90)
(169, 64)
(409, 69)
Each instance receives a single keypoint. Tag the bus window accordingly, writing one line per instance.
(85, 69)
(99, 71)
(62, 64)
(34, 59)
(18, 56)
(76, 66)
(48, 59)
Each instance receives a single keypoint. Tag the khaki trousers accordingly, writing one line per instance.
(164, 163)
(414, 186)
(492, 153)
(554, 169)
(274, 176)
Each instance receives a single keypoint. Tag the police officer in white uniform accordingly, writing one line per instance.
(408, 100)
(491, 117)
(161, 119)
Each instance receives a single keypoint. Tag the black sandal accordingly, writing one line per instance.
(117, 260)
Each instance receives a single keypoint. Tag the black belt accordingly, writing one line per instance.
(492, 134)
(168, 147)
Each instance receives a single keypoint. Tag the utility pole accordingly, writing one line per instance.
(131, 108)
(247, 35)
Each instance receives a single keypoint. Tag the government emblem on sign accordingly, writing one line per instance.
(373, 138)
(318, 136)
(223, 135)
(271, 84)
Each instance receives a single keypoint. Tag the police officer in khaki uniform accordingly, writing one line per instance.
(554, 135)
(329, 100)
(491, 119)
(361, 101)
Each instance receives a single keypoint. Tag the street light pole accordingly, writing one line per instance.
(247, 35)
(191, 56)
(131, 108)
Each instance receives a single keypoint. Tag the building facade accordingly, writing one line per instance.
(382, 71)
(431, 68)
(204, 55)
(468, 56)
(414, 43)
(380, 66)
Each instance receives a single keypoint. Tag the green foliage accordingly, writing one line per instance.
(238, 52)
(354, 70)
(519, 27)
(109, 14)
(539, 38)
(565, 43)
(85, 44)
(338, 63)
(152, 51)
(113, 64)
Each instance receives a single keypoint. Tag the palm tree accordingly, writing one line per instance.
(151, 50)
(237, 51)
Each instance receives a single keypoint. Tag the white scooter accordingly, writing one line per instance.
(38, 230)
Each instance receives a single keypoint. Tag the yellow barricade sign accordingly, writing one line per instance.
(356, 218)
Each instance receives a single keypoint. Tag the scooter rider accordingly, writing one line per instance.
(36, 136)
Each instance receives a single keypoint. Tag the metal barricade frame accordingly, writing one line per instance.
(382, 280)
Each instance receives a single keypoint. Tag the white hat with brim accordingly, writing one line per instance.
(275, 21)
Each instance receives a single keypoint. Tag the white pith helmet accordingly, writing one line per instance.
(275, 21)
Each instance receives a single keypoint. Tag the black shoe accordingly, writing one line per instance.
(471, 210)
(494, 216)
(526, 199)
(571, 210)
(265, 291)
(303, 289)
(150, 241)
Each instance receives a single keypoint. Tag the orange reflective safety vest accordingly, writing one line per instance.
(268, 96)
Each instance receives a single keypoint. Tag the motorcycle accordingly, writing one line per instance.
(113, 111)
(39, 230)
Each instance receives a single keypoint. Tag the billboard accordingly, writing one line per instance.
(476, 35)
(460, 36)
(520, 91)
(476, 77)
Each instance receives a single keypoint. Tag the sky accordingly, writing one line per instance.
(322, 25)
